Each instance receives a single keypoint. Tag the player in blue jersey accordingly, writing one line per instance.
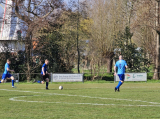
(121, 65)
(6, 73)
(44, 73)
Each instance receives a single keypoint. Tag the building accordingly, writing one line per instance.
(10, 31)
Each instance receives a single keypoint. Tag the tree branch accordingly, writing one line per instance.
(36, 6)
(29, 6)
(24, 18)
(33, 13)
(48, 12)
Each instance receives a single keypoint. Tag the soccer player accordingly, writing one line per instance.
(121, 65)
(6, 73)
(44, 73)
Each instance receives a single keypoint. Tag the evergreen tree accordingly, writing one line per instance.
(134, 56)
(49, 48)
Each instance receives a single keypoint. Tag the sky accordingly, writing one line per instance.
(1, 15)
(66, 1)
(2, 10)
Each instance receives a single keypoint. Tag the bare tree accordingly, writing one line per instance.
(109, 18)
(146, 19)
(35, 14)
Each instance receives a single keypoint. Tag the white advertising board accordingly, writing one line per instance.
(133, 77)
(67, 77)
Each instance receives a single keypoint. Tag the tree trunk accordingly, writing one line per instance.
(28, 48)
(156, 76)
(109, 58)
(78, 51)
(156, 70)
(109, 64)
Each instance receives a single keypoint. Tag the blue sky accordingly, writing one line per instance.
(1, 9)
(66, 1)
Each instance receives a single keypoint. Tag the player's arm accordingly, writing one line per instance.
(47, 73)
(115, 70)
(43, 70)
(10, 70)
(126, 65)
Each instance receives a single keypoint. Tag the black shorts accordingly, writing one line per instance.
(43, 77)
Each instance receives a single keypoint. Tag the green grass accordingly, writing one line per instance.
(80, 101)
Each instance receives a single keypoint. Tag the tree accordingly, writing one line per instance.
(49, 47)
(62, 35)
(133, 55)
(69, 43)
(70, 34)
(145, 38)
(33, 14)
(147, 15)
(109, 18)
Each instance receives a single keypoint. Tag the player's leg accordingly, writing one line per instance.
(119, 84)
(47, 80)
(12, 78)
(121, 77)
(42, 82)
(2, 81)
(43, 77)
(3, 78)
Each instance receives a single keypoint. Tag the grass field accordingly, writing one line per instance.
(80, 101)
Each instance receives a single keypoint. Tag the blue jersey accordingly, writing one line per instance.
(45, 68)
(121, 66)
(5, 69)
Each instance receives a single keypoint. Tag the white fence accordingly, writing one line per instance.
(133, 77)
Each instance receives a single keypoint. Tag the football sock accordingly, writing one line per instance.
(46, 84)
(12, 82)
(119, 84)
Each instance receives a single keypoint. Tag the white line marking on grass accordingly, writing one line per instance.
(97, 104)
(15, 99)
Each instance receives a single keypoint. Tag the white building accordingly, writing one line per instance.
(10, 32)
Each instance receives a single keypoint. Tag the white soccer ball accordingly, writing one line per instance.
(60, 87)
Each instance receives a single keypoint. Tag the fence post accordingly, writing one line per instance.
(83, 78)
(146, 76)
(51, 77)
(18, 77)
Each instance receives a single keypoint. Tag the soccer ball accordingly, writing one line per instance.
(60, 87)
